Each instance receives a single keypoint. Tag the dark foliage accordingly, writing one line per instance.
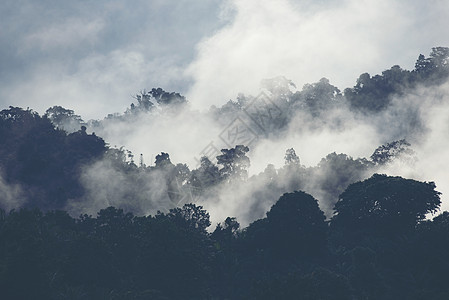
(44, 160)
(389, 152)
(374, 94)
(65, 119)
(234, 162)
(290, 254)
(385, 205)
(377, 245)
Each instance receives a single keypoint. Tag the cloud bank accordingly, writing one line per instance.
(91, 56)
(306, 40)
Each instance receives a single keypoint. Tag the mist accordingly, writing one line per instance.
(11, 195)
(242, 149)
(431, 144)
(305, 40)
(91, 56)
(334, 150)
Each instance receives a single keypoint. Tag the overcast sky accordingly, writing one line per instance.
(92, 56)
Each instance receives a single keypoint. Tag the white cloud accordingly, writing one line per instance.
(307, 42)
(73, 32)
(99, 84)
(432, 148)
(91, 56)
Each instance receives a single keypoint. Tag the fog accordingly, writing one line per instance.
(420, 116)
(91, 56)
(431, 145)
(307, 40)
(11, 195)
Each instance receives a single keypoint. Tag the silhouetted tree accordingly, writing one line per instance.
(334, 173)
(291, 157)
(45, 161)
(165, 98)
(373, 94)
(391, 151)
(435, 68)
(385, 205)
(206, 176)
(65, 119)
(162, 160)
(294, 227)
(234, 163)
(317, 98)
(226, 231)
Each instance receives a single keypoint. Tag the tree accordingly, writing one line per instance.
(163, 160)
(181, 252)
(373, 94)
(226, 231)
(278, 85)
(295, 227)
(384, 204)
(165, 98)
(44, 160)
(435, 68)
(182, 173)
(234, 163)
(297, 224)
(206, 176)
(191, 217)
(433, 235)
(269, 174)
(321, 284)
(65, 119)
(397, 149)
(290, 157)
(144, 103)
(156, 99)
(333, 175)
(321, 96)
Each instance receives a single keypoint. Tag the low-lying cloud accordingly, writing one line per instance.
(305, 41)
(419, 115)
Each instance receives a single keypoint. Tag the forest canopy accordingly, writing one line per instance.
(82, 219)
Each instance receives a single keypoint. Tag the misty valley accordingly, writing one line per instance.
(311, 193)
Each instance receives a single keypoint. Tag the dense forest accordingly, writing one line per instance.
(81, 219)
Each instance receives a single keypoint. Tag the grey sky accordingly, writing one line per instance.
(91, 56)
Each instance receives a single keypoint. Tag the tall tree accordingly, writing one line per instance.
(397, 149)
(234, 163)
(294, 226)
(65, 119)
(383, 204)
(291, 158)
